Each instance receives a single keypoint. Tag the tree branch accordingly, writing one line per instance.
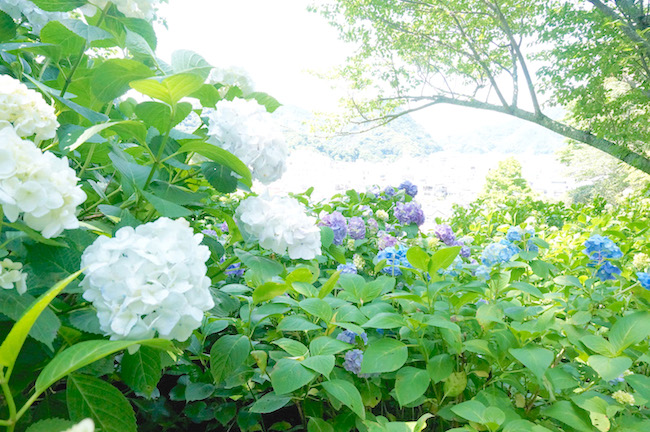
(627, 28)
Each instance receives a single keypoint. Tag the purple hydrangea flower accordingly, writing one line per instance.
(385, 240)
(607, 271)
(235, 270)
(357, 228)
(351, 337)
(210, 232)
(348, 268)
(353, 359)
(336, 221)
(408, 213)
(409, 188)
(390, 191)
(445, 234)
(644, 279)
(224, 227)
(373, 226)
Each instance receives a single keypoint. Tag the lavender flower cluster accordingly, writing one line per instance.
(447, 236)
(408, 213)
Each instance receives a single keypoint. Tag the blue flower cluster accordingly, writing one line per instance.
(409, 188)
(348, 268)
(408, 213)
(496, 253)
(454, 268)
(644, 279)
(357, 228)
(394, 258)
(337, 222)
(600, 249)
(353, 359)
(517, 233)
(351, 337)
(482, 272)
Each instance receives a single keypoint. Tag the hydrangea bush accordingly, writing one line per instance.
(145, 287)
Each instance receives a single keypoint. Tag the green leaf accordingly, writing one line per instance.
(329, 285)
(294, 348)
(322, 364)
(59, 5)
(440, 367)
(166, 208)
(297, 323)
(269, 102)
(384, 355)
(629, 330)
(90, 132)
(265, 268)
(85, 320)
(527, 288)
(269, 403)
(567, 413)
(418, 258)
(289, 375)
(220, 156)
(489, 313)
(189, 62)
(14, 341)
(7, 27)
(318, 308)
(50, 425)
(220, 177)
(536, 359)
(111, 79)
(471, 410)
(142, 370)
(324, 345)
(524, 426)
(169, 89)
(598, 344)
(68, 43)
(196, 391)
(410, 384)
(84, 353)
(385, 320)
(443, 259)
(318, 425)
(88, 32)
(641, 384)
(347, 394)
(227, 354)
(46, 326)
(609, 368)
(89, 397)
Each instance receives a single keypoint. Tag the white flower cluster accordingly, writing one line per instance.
(40, 186)
(36, 16)
(11, 276)
(86, 425)
(247, 130)
(281, 224)
(148, 280)
(232, 76)
(26, 110)
(144, 9)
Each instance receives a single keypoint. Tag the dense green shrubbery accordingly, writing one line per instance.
(499, 321)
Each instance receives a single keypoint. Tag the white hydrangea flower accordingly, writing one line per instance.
(232, 76)
(39, 186)
(85, 425)
(281, 225)
(247, 130)
(624, 398)
(358, 261)
(148, 280)
(382, 215)
(11, 276)
(36, 16)
(26, 110)
(143, 9)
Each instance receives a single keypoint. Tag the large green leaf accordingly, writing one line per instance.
(418, 258)
(228, 354)
(189, 62)
(14, 341)
(219, 176)
(170, 89)
(142, 370)
(68, 43)
(85, 353)
(89, 397)
(7, 27)
(440, 367)
(385, 320)
(289, 375)
(111, 79)
(324, 345)
(322, 364)
(269, 402)
(641, 384)
(537, 359)
(443, 259)
(629, 330)
(384, 355)
(166, 208)
(609, 368)
(318, 308)
(91, 131)
(14, 306)
(59, 5)
(567, 413)
(221, 156)
(410, 384)
(346, 393)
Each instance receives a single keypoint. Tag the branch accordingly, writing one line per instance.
(627, 28)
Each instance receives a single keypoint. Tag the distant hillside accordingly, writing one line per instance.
(401, 137)
(406, 137)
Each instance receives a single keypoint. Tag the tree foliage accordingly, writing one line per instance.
(485, 54)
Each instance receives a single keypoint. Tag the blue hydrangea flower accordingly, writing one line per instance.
(408, 213)
(496, 253)
(348, 268)
(515, 233)
(351, 337)
(235, 270)
(532, 247)
(210, 232)
(607, 270)
(482, 272)
(353, 359)
(223, 227)
(394, 258)
(356, 228)
(445, 234)
(409, 188)
(337, 222)
(599, 248)
(454, 268)
(390, 191)
(644, 279)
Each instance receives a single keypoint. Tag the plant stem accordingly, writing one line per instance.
(11, 404)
